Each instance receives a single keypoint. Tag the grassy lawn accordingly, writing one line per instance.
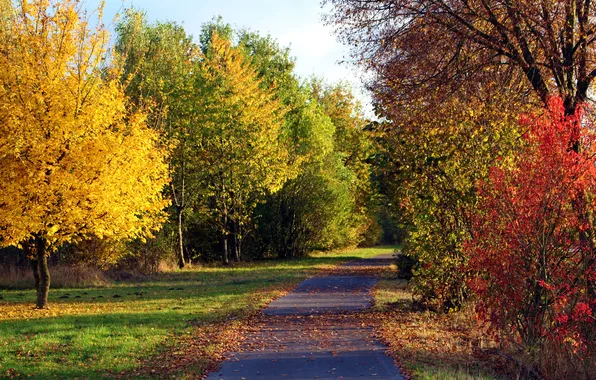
(93, 332)
(430, 345)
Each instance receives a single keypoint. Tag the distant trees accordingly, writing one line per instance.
(355, 148)
(332, 200)
(74, 162)
(245, 132)
(313, 209)
(294, 220)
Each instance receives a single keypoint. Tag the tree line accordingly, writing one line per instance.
(487, 145)
(162, 146)
(264, 162)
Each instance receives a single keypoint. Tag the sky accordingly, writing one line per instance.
(293, 23)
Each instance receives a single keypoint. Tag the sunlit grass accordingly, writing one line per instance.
(91, 332)
(472, 371)
(392, 293)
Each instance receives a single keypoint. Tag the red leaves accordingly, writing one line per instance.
(535, 273)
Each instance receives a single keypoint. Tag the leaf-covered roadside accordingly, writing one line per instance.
(196, 352)
(429, 345)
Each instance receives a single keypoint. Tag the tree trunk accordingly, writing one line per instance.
(226, 234)
(30, 253)
(35, 269)
(181, 261)
(237, 243)
(225, 249)
(232, 235)
(44, 274)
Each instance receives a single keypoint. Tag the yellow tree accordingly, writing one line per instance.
(239, 144)
(73, 162)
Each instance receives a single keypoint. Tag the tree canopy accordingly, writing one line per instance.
(428, 43)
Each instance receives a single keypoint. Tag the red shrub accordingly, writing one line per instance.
(533, 242)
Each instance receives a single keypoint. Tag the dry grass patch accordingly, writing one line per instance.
(63, 276)
(428, 345)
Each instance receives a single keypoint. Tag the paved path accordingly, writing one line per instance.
(307, 335)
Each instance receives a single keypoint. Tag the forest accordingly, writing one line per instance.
(145, 155)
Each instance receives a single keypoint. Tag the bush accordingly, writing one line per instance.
(406, 265)
(149, 256)
(535, 274)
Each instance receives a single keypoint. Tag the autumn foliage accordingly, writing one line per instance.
(533, 243)
(493, 209)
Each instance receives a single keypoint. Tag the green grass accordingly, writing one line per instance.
(92, 333)
(392, 292)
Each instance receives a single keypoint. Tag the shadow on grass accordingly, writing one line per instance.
(85, 345)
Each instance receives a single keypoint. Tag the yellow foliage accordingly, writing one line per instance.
(239, 146)
(73, 161)
(241, 121)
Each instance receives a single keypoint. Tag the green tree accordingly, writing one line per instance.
(311, 138)
(293, 220)
(158, 63)
(355, 146)
(316, 209)
(274, 66)
(215, 26)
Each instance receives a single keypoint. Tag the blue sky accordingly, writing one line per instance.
(294, 23)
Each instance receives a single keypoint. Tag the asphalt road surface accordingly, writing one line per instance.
(312, 333)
